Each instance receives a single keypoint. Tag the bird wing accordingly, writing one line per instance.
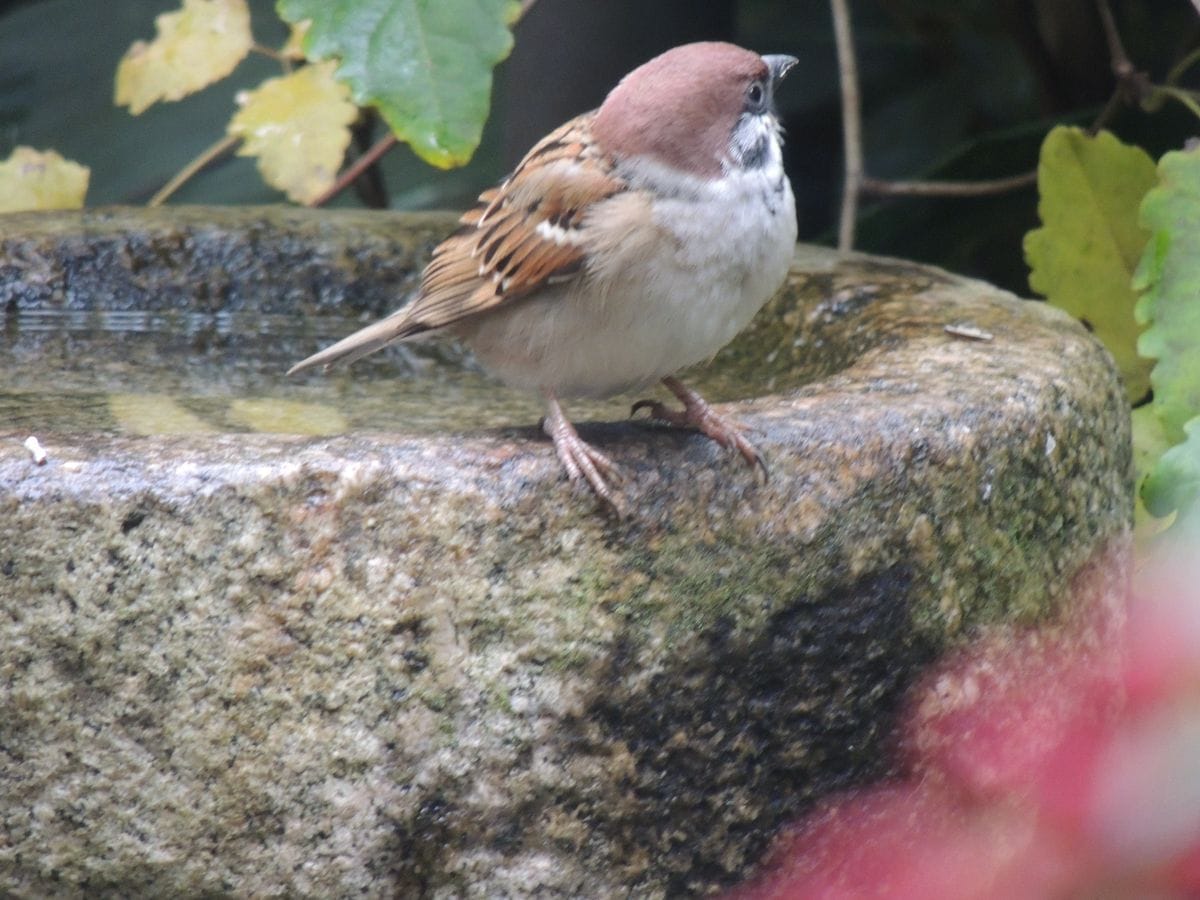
(520, 235)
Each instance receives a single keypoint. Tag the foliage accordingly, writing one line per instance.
(33, 180)
(1174, 483)
(197, 45)
(1083, 257)
(298, 126)
(1149, 444)
(425, 64)
(1170, 276)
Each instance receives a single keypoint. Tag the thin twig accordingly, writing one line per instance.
(1184, 64)
(224, 145)
(1121, 64)
(1109, 112)
(269, 52)
(884, 188)
(1187, 98)
(851, 125)
(1134, 85)
(360, 165)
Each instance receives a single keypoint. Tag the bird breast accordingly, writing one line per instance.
(676, 268)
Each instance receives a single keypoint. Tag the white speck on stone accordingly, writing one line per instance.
(36, 450)
(570, 540)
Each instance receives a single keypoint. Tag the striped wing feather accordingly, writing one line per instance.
(520, 235)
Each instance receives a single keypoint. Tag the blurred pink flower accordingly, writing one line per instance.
(1046, 765)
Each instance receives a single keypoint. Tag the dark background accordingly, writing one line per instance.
(951, 89)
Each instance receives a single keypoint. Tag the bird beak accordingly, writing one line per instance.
(779, 64)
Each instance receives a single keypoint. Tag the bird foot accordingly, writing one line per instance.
(582, 461)
(696, 413)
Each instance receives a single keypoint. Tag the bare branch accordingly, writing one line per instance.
(1109, 111)
(1134, 85)
(851, 123)
(1121, 65)
(883, 188)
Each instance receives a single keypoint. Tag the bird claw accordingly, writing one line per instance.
(584, 462)
(697, 414)
(659, 412)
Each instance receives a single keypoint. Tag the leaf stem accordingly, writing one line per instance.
(1183, 65)
(270, 52)
(1187, 98)
(224, 145)
(360, 165)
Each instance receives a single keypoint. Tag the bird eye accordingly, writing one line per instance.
(755, 93)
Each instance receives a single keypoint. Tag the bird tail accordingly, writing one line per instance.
(362, 343)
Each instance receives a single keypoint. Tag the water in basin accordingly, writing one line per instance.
(164, 373)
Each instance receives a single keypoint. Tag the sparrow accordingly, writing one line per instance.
(633, 241)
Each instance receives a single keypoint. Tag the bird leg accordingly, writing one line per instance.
(696, 413)
(580, 459)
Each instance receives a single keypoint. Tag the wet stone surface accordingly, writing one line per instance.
(358, 635)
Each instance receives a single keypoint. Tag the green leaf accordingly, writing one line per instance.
(1175, 482)
(426, 64)
(1170, 276)
(1083, 257)
(1149, 444)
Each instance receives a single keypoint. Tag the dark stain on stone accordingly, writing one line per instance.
(132, 520)
(415, 660)
(421, 842)
(746, 733)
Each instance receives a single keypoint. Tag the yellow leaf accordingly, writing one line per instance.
(155, 414)
(298, 127)
(33, 180)
(286, 416)
(196, 45)
(1083, 257)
